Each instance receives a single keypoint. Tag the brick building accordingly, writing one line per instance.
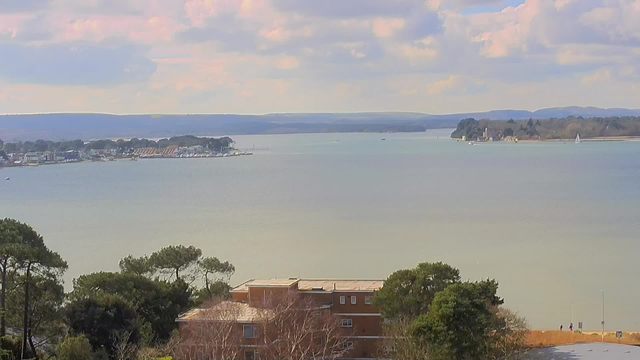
(349, 300)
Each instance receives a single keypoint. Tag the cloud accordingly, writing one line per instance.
(14, 6)
(598, 15)
(227, 31)
(114, 7)
(375, 53)
(599, 76)
(75, 64)
(460, 4)
(138, 29)
(350, 8)
(440, 86)
(287, 63)
(385, 27)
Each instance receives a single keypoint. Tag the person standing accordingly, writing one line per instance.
(560, 327)
(571, 327)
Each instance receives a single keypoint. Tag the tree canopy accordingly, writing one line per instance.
(213, 144)
(31, 284)
(74, 348)
(155, 302)
(408, 293)
(109, 311)
(457, 325)
(99, 318)
(175, 259)
(139, 266)
(564, 128)
(433, 315)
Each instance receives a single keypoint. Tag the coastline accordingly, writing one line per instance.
(596, 139)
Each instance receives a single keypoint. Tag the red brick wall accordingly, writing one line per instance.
(359, 307)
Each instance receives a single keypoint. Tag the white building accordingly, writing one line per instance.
(32, 157)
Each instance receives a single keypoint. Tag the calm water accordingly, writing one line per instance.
(554, 223)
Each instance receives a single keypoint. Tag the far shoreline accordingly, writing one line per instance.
(596, 139)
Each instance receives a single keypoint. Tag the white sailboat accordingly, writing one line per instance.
(578, 139)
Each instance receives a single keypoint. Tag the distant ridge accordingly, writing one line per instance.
(92, 126)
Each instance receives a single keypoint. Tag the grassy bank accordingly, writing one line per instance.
(542, 338)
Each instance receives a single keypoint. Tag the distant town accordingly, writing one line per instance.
(41, 152)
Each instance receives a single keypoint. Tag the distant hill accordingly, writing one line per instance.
(95, 126)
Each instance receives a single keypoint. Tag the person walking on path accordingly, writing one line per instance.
(571, 327)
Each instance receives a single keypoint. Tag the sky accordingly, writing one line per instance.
(263, 56)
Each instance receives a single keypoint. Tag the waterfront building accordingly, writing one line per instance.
(349, 300)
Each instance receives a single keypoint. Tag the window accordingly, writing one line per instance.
(353, 300)
(343, 300)
(367, 300)
(347, 345)
(249, 355)
(347, 323)
(250, 331)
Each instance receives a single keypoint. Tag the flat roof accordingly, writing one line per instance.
(227, 311)
(244, 287)
(339, 285)
(328, 285)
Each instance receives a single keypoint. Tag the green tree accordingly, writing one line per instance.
(467, 127)
(408, 293)
(100, 318)
(216, 290)
(10, 347)
(459, 324)
(9, 240)
(140, 266)
(33, 258)
(74, 348)
(41, 145)
(212, 266)
(46, 318)
(11, 148)
(175, 259)
(530, 123)
(155, 302)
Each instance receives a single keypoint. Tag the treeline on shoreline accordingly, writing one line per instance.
(549, 129)
(209, 143)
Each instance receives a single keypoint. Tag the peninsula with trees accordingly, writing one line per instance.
(548, 129)
(55, 152)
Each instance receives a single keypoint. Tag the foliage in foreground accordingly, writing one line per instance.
(119, 315)
(440, 318)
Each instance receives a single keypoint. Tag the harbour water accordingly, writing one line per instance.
(554, 223)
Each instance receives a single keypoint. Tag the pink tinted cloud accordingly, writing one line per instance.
(139, 29)
(11, 24)
(384, 27)
(198, 11)
(275, 33)
(511, 35)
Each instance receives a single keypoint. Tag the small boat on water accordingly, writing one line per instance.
(470, 142)
(383, 139)
(578, 141)
(7, 178)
